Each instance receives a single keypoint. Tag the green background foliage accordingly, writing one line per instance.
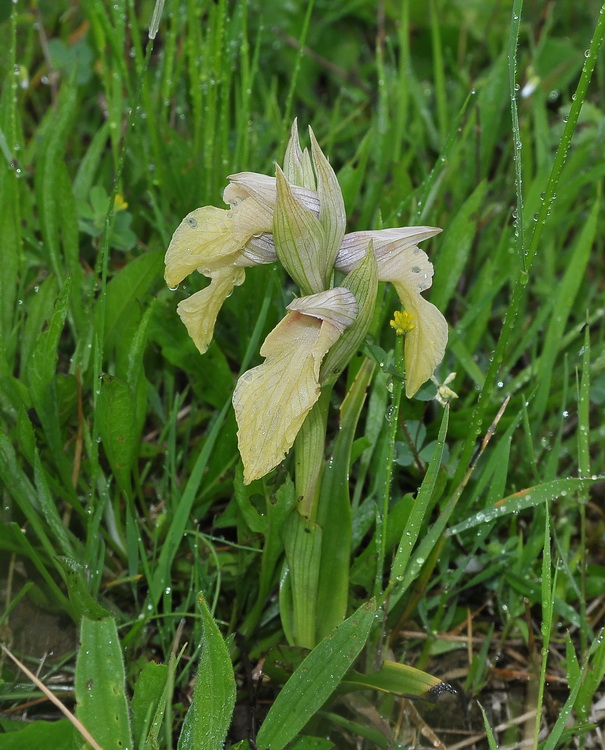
(479, 530)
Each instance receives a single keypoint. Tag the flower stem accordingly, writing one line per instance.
(309, 456)
(393, 418)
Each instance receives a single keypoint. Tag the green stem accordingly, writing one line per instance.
(302, 535)
(383, 513)
(309, 449)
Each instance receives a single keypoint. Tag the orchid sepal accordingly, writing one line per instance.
(299, 239)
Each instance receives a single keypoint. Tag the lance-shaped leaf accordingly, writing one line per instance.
(272, 400)
(299, 240)
(399, 678)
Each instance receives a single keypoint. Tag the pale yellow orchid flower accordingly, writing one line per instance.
(220, 243)
(408, 268)
(272, 400)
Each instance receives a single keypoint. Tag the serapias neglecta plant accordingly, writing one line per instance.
(297, 218)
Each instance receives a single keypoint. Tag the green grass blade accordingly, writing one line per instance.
(566, 294)
(180, 519)
(548, 591)
(456, 247)
(421, 503)
(520, 286)
(528, 498)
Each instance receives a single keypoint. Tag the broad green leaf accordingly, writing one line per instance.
(126, 290)
(39, 735)
(49, 164)
(315, 680)
(41, 380)
(209, 716)
(117, 426)
(100, 684)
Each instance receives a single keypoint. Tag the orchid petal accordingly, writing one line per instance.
(203, 240)
(384, 241)
(258, 250)
(199, 312)
(425, 343)
(410, 272)
(337, 306)
(271, 401)
(264, 190)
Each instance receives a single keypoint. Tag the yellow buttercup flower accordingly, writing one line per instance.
(403, 322)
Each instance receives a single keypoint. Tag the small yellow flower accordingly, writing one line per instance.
(403, 322)
(119, 204)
